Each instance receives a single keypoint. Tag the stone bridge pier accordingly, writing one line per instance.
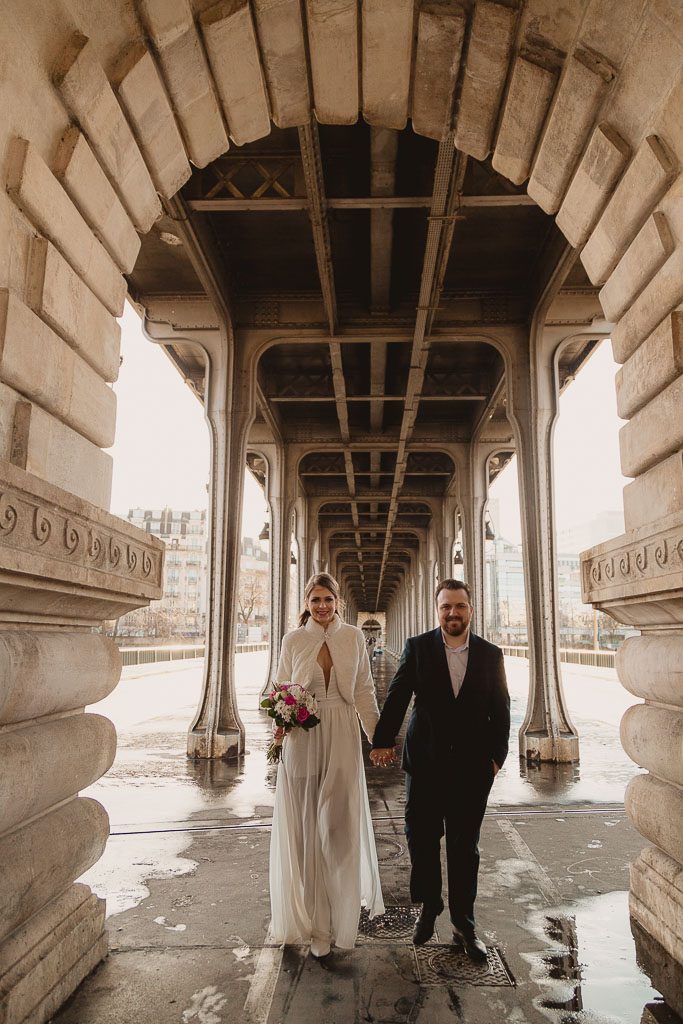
(377, 241)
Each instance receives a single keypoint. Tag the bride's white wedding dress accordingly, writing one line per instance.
(323, 863)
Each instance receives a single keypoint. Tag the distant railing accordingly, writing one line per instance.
(150, 655)
(572, 656)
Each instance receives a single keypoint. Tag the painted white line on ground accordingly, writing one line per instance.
(551, 894)
(262, 989)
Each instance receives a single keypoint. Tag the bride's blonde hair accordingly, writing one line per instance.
(319, 579)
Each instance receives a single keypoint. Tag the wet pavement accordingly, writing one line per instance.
(185, 875)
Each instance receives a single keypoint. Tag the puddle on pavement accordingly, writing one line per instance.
(119, 876)
(588, 974)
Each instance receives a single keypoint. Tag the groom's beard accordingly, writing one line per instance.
(456, 627)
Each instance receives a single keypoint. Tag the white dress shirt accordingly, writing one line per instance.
(456, 658)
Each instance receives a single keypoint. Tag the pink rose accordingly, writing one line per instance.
(302, 714)
(284, 686)
(272, 695)
(289, 699)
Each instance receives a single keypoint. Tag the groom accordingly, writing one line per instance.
(456, 742)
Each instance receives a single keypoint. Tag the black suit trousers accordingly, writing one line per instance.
(454, 803)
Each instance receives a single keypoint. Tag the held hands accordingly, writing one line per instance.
(382, 757)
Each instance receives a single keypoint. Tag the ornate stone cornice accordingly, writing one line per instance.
(60, 541)
(640, 567)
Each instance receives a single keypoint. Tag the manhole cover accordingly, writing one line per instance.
(443, 965)
(388, 848)
(395, 925)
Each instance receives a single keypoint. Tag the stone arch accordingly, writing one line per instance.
(106, 119)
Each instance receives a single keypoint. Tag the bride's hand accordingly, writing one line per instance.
(278, 732)
(382, 757)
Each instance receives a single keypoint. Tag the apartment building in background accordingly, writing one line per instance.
(182, 609)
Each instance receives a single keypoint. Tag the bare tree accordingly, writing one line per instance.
(251, 594)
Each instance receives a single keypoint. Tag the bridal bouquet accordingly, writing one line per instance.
(292, 707)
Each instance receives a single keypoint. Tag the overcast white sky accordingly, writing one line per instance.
(161, 454)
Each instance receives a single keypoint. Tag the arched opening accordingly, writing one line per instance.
(386, 250)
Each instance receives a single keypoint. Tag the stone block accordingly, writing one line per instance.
(81, 80)
(166, 20)
(655, 494)
(644, 182)
(149, 112)
(668, 125)
(646, 254)
(657, 884)
(88, 186)
(653, 738)
(45, 673)
(35, 361)
(654, 365)
(230, 39)
(488, 54)
(440, 35)
(62, 457)
(8, 403)
(44, 960)
(526, 105)
(283, 56)
(651, 666)
(600, 169)
(656, 810)
(663, 294)
(35, 441)
(655, 432)
(186, 74)
(333, 49)
(387, 28)
(38, 193)
(41, 859)
(66, 304)
(582, 89)
(661, 967)
(82, 745)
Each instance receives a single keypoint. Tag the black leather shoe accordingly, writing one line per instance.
(424, 926)
(474, 947)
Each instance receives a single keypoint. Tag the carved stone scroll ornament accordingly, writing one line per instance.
(8, 515)
(62, 535)
(42, 526)
(641, 564)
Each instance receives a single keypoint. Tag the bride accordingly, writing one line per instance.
(323, 864)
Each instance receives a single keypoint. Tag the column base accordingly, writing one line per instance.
(45, 960)
(226, 743)
(656, 905)
(659, 1013)
(537, 746)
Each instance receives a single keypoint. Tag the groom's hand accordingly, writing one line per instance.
(383, 756)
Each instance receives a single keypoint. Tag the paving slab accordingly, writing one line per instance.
(185, 875)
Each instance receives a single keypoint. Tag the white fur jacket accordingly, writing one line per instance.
(346, 645)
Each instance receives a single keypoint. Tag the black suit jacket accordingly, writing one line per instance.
(470, 730)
